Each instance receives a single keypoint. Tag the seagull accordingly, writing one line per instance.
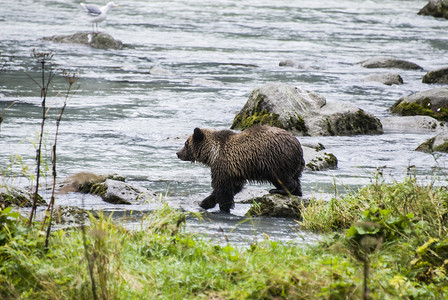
(97, 14)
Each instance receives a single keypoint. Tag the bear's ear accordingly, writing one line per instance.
(198, 135)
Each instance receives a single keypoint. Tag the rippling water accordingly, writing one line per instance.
(189, 64)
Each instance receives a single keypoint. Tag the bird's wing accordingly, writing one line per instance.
(91, 9)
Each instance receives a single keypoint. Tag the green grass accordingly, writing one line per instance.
(399, 231)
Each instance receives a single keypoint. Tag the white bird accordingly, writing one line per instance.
(97, 14)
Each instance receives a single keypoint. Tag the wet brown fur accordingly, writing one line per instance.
(258, 154)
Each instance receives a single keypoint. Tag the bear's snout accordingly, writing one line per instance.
(182, 154)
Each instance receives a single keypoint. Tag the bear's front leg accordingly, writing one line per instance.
(224, 188)
(208, 202)
(224, 198)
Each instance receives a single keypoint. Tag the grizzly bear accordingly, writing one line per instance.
(258, 154)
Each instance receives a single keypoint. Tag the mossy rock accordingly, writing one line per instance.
(438, 143)
(322, 162)
(17, 196)
(435, 8)
(303, 112)
(274, 205)
(355, 123)
(258, 110)
(436, 76)
(246, 120)
(433, 103)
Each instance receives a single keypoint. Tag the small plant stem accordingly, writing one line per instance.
(39, 149)
(53, 161)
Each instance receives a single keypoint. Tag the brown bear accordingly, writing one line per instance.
(258, 154)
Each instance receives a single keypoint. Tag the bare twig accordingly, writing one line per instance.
(71, 79)
(42, 58)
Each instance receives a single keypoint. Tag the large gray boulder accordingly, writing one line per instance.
(433, 103)
(94, 40)
(112, 188)
(435, 8)
(303, 113)
(17, 196)
(439, 143)
(388, 63)
(436, 76)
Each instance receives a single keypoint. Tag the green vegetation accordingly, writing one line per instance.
(246, 120)
(423, 108)
(392, 236)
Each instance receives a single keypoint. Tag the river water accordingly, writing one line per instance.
(188, 64)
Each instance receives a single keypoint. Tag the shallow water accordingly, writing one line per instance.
(190, 64)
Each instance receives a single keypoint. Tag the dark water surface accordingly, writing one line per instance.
(188, 64)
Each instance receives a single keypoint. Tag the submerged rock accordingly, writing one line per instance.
(110, 188)
(95, 40)
(274, 205)
(389, 62)
(435, 8)
(386, 78)
(436, 76)
(303, 113)
(17, 196)
(291, 63)
(439, 143)
(433, 103)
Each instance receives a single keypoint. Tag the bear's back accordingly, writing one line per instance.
(262, 145)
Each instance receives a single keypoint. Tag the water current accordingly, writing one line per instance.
(188, 64)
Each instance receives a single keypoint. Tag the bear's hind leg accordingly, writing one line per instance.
(287, 187)
(279, 188)
(208, 202)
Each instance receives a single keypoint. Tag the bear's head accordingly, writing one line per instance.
(192, 149)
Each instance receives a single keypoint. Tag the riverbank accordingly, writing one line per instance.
(392, 236)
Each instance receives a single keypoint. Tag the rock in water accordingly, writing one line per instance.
(436, 76)
(110, 188)
(387, 78)
(95, 40)
(316, 159)
(413, 124)
(433, 103)
(17, 196)
(439, 143)
(389, 62)
(273, 205)
(435, 8)
(303, 113)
